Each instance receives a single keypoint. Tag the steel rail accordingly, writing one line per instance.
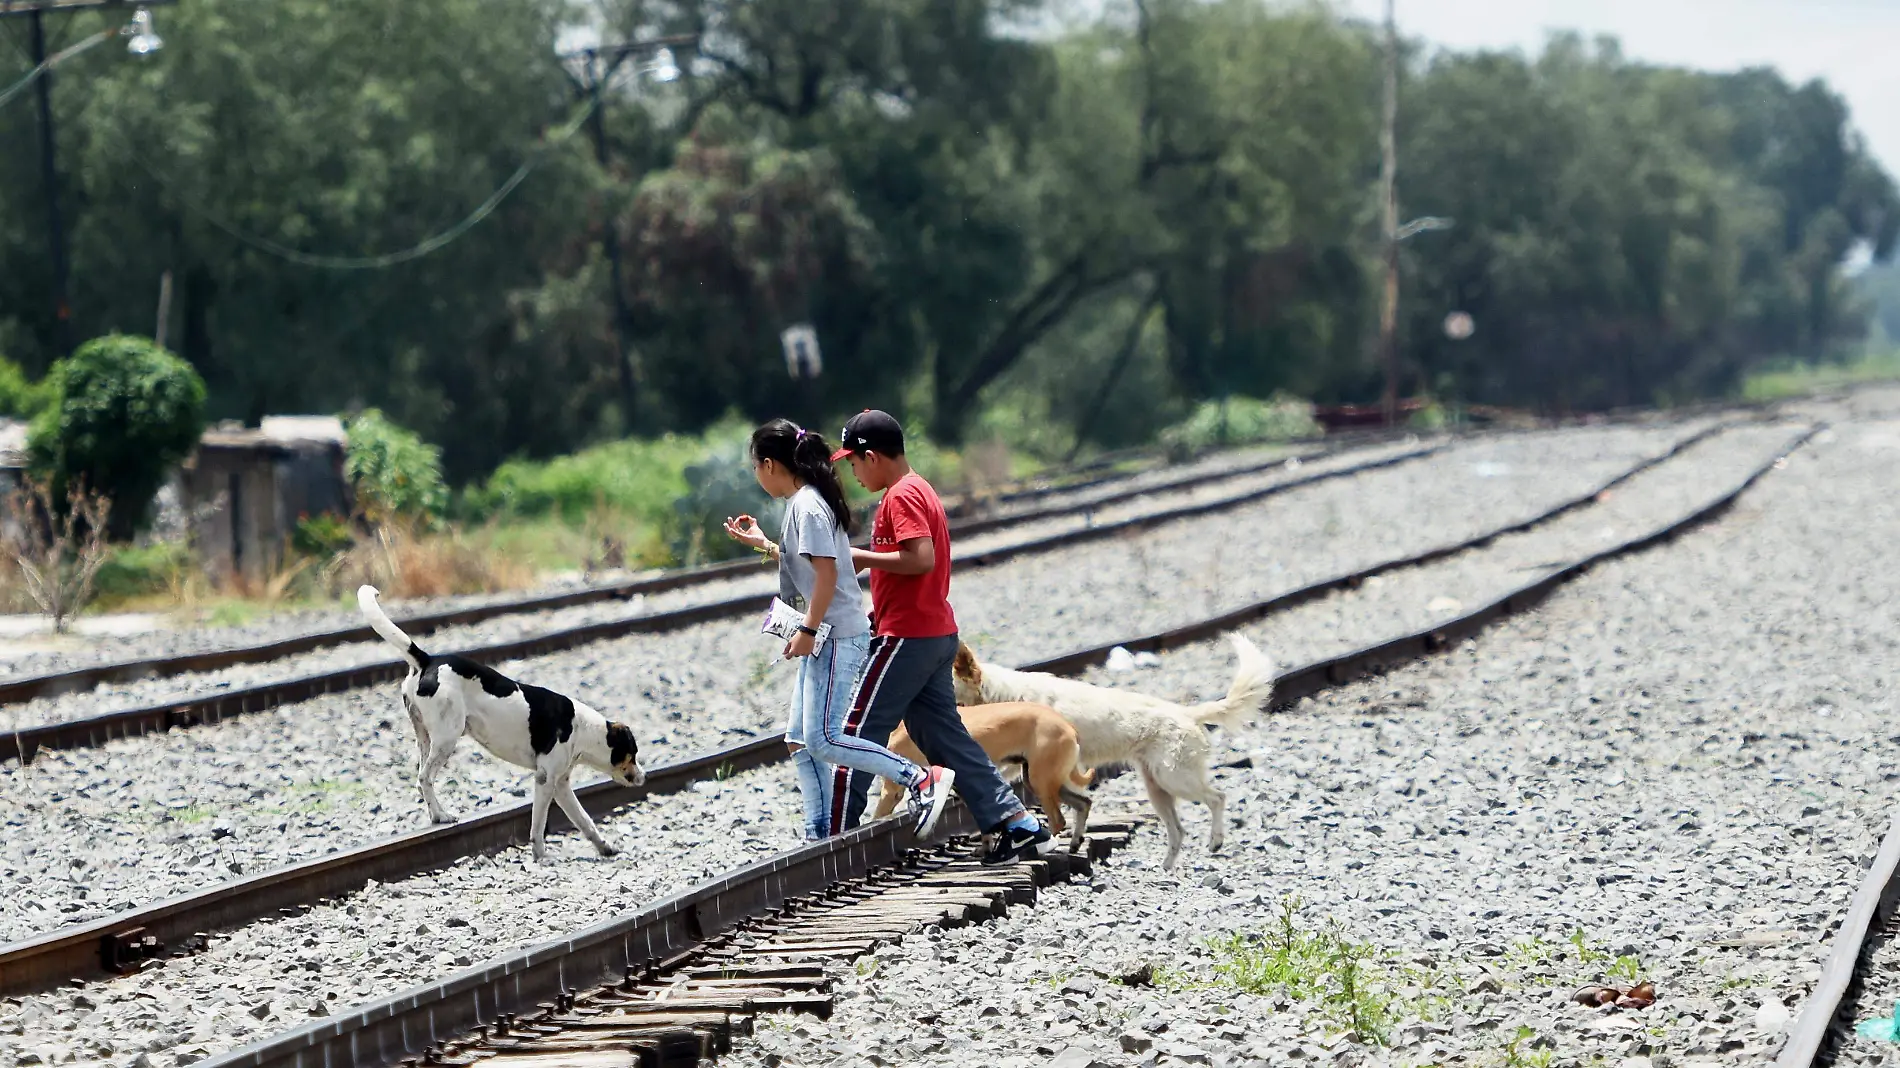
(1819, 1014)
(114, 943)
(423, 1018)
(74, 680)
(24, 742)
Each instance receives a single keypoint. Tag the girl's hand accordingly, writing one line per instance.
(800, 645)
(745, 530)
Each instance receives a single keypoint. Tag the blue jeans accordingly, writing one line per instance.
(821, 697)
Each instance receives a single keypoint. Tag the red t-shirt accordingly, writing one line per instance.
(912, 606)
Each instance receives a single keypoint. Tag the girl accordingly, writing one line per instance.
(815, 574)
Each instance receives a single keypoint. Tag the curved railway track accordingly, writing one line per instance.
(22, 743)
(589, 997)
(124, 940)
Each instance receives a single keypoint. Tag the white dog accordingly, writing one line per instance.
(1162, 740)
(448, 696)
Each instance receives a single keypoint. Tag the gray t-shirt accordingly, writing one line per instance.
(811, 531)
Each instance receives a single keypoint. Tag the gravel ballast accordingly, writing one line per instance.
(48, 654)
(108, 697)
(1323, 781)
(1682, 759)
(278, 974)
(96, 831)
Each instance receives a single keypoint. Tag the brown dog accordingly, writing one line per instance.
(1018, 732)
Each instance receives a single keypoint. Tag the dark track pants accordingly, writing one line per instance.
(908, 680)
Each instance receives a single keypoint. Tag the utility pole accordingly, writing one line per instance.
(49, 178)
(597, 68)
(143, 42)
(1389, 218)
(623, 354)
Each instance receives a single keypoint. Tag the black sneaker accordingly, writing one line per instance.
(1014, 844)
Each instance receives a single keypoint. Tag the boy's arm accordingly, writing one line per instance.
(918, 556)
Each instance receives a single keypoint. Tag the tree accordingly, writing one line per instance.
(125, 412)
(736, 241)
(346, 127)
(1628, 234)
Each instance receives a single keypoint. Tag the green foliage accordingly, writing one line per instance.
(124, 411)
(1241, 421)
(322, 535)
(732, 244)
(134, 572)
(639, 477)
(1628, 234)
(678, 486)
(19, 397)
(719, 485)
(394, 472)
(1788, 378)
(1519, 1055)
(971, 216)
(1350, 980)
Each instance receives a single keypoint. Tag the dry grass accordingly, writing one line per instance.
(55, 557)
(402, 561)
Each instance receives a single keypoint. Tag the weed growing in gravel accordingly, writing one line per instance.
(1627, 969)
(1586, 956)
(188, 814)
(1518, 1055)
(1350, 980)
(1528, 954)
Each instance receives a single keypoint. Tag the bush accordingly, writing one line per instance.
(679, 488)
(1241, 421)
(56, 547)
(322, 535)
(394, 472)
(20, 398)
(122, 412)
(131, 573)
(718, 486)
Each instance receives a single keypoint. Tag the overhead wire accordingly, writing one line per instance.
(364, 263)
(54, 60)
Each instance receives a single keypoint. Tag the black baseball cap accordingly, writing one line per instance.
(870, 431)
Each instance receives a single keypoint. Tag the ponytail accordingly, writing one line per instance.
(805, 454)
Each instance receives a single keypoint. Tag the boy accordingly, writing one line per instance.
(907, 677)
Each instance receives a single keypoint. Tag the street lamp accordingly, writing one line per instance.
(144, 41)
(591, 69)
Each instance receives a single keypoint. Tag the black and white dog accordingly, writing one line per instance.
(449, 696)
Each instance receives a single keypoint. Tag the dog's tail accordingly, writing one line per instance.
(1248, 695)
(383, 625)
(1079, 775)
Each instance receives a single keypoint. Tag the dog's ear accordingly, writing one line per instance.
(623, 749)
(965, 666)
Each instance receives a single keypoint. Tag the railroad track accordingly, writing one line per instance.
(125, 940)
(25, 688)
(78, 679)
(576, 1012)
(22, 743)
(1871, 925)
(671, 985)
